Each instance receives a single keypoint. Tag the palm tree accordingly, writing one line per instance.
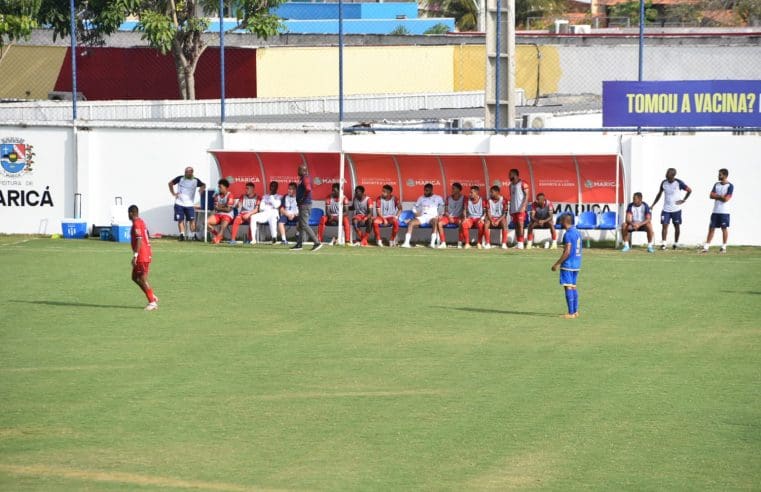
(465, 12)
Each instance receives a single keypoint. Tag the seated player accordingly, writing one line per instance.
(387, 211)
(637, 219)
(268, 212)
(496, 217)
(474, 218)
(362, 220)
(541, 218)
(248, 205)
(332, 205)
(426, 210)
(223, 211)
(453, 213)
(518, 202)
(289, 211)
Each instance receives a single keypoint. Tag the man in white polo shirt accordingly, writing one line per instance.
(184, 200)
(638, 217)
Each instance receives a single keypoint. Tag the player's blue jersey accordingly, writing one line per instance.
(573, 262)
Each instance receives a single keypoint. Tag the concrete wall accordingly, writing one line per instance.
(136, 164)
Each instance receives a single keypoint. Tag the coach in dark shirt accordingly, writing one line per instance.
(304, 201)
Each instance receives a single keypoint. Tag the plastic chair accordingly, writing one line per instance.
(587, 220)
(315, 217)
(607, 221)
(406, 216)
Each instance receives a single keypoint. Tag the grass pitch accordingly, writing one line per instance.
(377, 369)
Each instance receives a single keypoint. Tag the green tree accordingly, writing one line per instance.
(400, 30)
(630, 10)
(536, 8)
(170, 26)
(17, 19)
(439, 28)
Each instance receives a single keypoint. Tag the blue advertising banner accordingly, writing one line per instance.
(682, 103)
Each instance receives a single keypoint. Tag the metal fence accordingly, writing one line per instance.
(362, 67)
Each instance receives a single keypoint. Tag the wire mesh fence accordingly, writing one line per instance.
(359, 65)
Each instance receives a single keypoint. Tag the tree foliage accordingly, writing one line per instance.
(17, 19)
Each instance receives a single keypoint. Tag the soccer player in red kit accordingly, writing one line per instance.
(362, 206)
(224, 202)
(332, 204)
(387, 210)
(141, 257)
(474, 218)
(454, 209)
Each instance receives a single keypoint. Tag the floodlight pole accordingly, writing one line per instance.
(342, 157)
(500, 65)
(222, 62)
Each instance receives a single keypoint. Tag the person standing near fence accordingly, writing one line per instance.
(184, 201)
(141, 257)
(304, 201)
(671, 188)
(721, 193)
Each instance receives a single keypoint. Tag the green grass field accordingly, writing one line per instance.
(377, 369)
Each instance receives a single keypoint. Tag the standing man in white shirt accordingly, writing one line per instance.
(671, 187)
(721, 193)
(184, 200)
(426, 212)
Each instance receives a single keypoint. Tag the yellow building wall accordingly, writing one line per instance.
(305, 72)
(469, 67)
(30, 72)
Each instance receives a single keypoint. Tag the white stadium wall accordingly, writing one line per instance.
(136, 164)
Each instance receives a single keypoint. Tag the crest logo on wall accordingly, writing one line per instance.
(16, 157)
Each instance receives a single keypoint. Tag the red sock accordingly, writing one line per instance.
(530, 237)
(554, 233)
(149, 295)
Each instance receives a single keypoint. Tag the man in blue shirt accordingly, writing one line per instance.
(570, 265)
(304, 201)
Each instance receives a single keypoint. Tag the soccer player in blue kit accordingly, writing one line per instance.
(570, 264)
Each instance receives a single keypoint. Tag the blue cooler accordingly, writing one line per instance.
(120, 233)
(74, 228)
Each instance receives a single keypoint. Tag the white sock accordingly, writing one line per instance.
(433, 238)
(650, 245)
(407, 238)
(724, 246)
(705, 246)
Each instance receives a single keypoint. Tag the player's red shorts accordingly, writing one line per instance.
(445, 220)
(223, 218)
(360, 218)
(519, 217)
(495, 222)
(141, 268)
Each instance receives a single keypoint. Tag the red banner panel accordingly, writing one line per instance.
(555, 176)
(417, 170)
(498, 167)
(374, 171)
(239, 168)
(144, 73)
(466, 170)
(598, 178)
(323, 168)
(281, 167)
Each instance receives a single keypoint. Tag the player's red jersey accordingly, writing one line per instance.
(140, 231)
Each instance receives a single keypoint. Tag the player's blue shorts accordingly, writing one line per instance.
(673, 217)
(184, 213)
(284, 220)
(568, 277)
(719, 220)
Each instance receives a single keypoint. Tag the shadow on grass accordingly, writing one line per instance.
(496, 311)
(750, 292)
(77, 304)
